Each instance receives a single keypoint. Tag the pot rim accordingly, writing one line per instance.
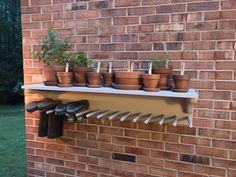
(151, 76)
(181, 77)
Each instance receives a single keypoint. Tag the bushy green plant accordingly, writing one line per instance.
(79, 59)
(162, 62)
(53, 48)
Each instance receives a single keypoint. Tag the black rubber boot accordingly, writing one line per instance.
(55, 126)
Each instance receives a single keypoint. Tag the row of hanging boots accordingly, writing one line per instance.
(53, 114)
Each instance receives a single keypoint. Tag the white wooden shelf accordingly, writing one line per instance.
(164, 102)
(191, 94)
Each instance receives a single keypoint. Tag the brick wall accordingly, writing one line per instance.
(199, 32)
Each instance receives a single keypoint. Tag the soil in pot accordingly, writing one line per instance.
(80, 74)
(150, 82)
(65, 79)
(108, 79)
(128, 78)
(50, 75)
(181, 83)
(164, 74)
(94, 79)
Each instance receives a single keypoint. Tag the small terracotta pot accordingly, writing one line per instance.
(151, 80)
(128, 78)
(80, 74)
(108, 79)
(94, 79)
(164, 74)
(50, 73)
(181, 81)
(65, 77)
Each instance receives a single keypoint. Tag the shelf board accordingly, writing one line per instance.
(191, 94)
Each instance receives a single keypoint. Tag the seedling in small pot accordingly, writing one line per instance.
(94, 78)
(181, 82)
(150, 81)
(81, 65)
(108, 77)
(161, 67)
(65, 78)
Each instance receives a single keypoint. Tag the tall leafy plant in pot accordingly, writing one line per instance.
(81, 65)
(52, 51)
(160, 66)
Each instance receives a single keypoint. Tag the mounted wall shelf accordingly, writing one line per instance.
(167, 103)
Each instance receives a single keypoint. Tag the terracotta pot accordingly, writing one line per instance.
(164, 74)
(65, 77)
(94, 79)
(151, 80)
(50, 73)
(108, 79)
(128, 78)
(181, 81)
(80, 74)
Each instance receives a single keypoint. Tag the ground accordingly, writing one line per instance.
(12, 141)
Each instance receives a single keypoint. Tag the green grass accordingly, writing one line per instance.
(12, 141)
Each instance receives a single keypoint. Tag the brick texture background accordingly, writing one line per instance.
(199, 32)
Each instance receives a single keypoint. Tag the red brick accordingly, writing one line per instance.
(155, 2)
(127, 3)
(210, 170)
(150, 161)
(141, 11)
(163, 172)
(223, 144)
(30, 10)
(214, 133)
(203, 6)
(40, 3)
(151, 144)
(218, 35)
(224, 163)
(164, 155)
(171, 8)
(138, 151)
(140, 29)
(137, 134)
(86, 14)
(155, 19)
(124, 141)
(179, 166)
(212, 152)
(228, 4)
(225, 85)
(112, 30)
(113, 12)
(186, 174)
(195, 140)
(179, 148)
(125, 20)
(50, 9)
(139, 47)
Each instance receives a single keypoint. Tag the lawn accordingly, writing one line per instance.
(12, 141)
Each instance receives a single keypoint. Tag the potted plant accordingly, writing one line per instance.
(108, 77)
(81, 66)
(150, 80)
(161, 67)
(181, 82)
(128, 80)
(65, 77)
(94, 78)
(52, 48)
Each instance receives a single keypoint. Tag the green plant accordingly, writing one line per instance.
(162, 62)
(79, 59)
(53, 48)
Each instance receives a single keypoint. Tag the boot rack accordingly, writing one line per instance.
(164, 107)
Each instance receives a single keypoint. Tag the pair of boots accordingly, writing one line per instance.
(52, 115)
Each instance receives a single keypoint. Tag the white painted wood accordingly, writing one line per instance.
(192, 94)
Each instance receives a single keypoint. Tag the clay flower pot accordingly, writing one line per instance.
(181, 83)
(128, 78)
(94, 79)
(164, 74)
(65, 79)
(150, 82)
(50, 75)
(108, 79)
(80, 74)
